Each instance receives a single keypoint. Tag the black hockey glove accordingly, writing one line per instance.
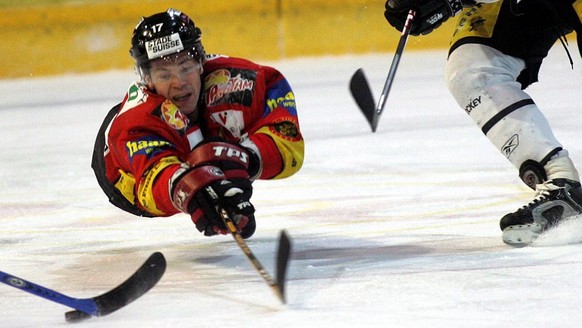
(430, 14)
(228, 196)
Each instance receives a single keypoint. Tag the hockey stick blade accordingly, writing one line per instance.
(135, 286)
(361, 89)
(283, 256)
(144, 279)
(362, 94)
(278, 286)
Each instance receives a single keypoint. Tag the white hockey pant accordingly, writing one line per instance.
(483, 82)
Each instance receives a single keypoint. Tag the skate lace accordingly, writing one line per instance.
(543, 192)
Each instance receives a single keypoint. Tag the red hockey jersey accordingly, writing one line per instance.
(145, 139)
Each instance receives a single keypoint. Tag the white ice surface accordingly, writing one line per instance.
(393, 229)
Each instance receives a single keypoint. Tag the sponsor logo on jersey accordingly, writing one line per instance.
(288, 101)
(165, 45)
(221, 84)
(146, 146)
(286, 129)
(172, 115)
(135, 96)
(477, 21)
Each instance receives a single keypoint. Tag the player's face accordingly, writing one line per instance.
(177, 79)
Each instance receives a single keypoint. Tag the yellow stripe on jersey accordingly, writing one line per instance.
(145, 190)
(292, 152)
(477, 21)
(125, 185)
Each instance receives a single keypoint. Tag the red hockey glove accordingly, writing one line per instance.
(236, 161)
(430, 14)
(203, 191)
(206, 193)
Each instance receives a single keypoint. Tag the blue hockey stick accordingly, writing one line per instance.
(135, 286)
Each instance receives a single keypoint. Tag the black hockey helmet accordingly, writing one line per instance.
(164, 34)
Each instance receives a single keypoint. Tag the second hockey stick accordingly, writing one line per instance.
(360, 88)
(283, 255)
(135, 286)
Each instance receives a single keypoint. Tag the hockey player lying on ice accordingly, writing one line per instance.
(496, 52)
(196, 131)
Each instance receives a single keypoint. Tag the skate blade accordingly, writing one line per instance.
(521, 235)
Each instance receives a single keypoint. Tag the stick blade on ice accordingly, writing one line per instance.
(144, 279)
(283, 255)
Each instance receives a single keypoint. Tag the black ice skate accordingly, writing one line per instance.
(555, 200)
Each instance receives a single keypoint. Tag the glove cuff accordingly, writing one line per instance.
(188, 184)
(213, 152)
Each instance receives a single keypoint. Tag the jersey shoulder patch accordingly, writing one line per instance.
(136, 95)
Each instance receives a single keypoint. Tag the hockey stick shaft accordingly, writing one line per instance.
(395, 61)
(86, 305)
(135, 286)
(276, 286)
(360, 88)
